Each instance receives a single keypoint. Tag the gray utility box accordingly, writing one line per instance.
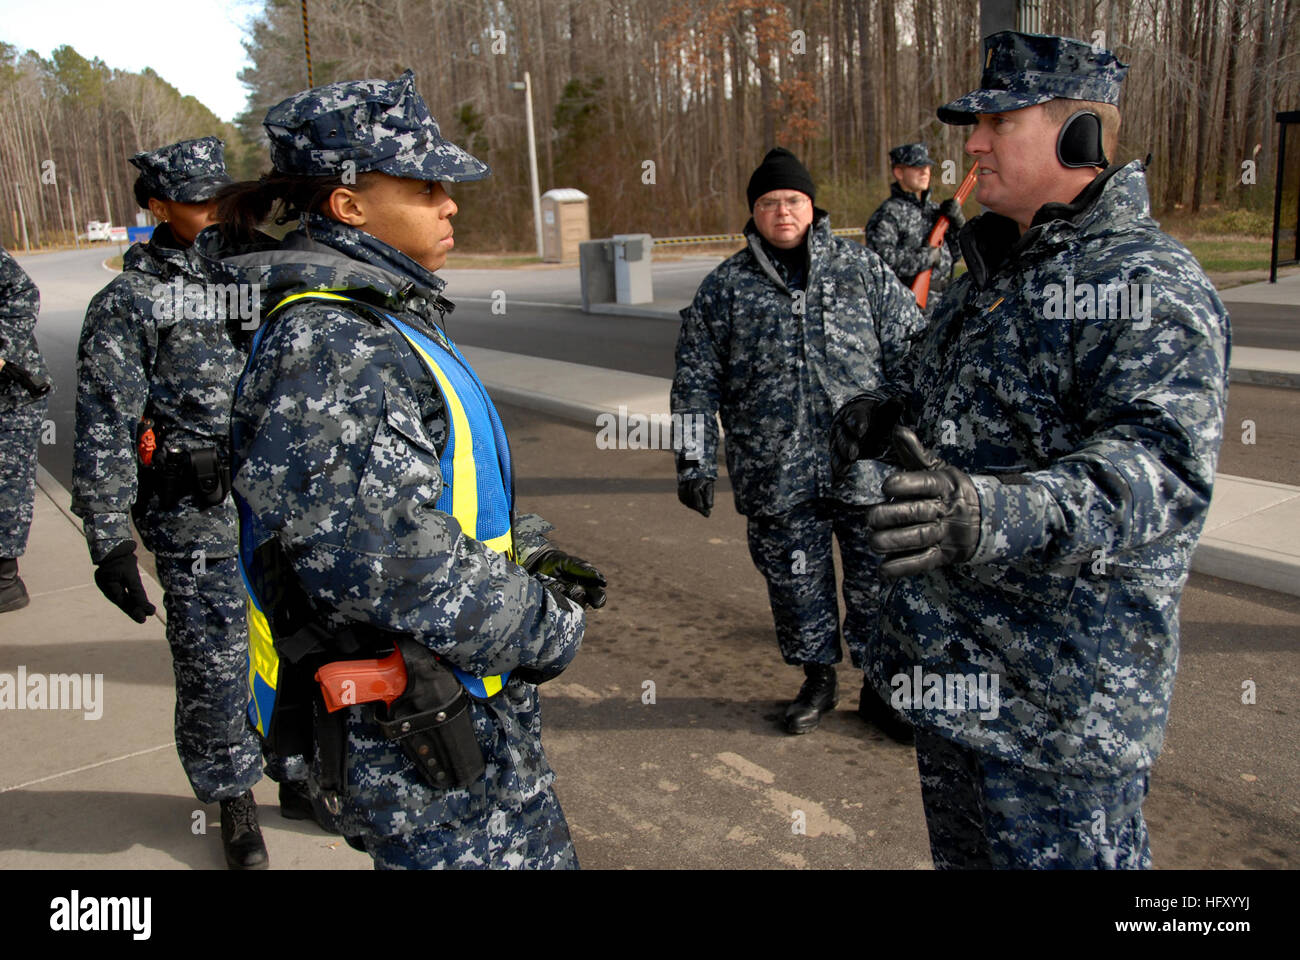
(596, 272)
(632, 279)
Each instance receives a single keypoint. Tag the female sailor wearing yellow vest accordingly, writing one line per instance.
(378, 538)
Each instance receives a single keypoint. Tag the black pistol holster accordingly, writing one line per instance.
(431, 721)
(209, 477)
(198, 474)
(170, 474)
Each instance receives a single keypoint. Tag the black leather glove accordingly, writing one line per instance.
(118, 578)
(951, 209)
(535, 675)
(933, 515)
(861, 430)
(577, 579)
(696, 494)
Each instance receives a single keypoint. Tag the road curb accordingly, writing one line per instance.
(1264, 378)
(574, 411)
(631, 310)
(1251, 566)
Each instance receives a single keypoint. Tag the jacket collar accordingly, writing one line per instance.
(1116, 195)
(896, 190)
(161, 255)
(816, 242)
(323, 254)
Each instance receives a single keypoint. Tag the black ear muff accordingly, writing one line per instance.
(1079, 142)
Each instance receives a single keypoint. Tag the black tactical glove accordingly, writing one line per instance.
(933, 515)
(535, 675)
(861, 430)
(951, 209)
(118, 578)
(576, 578)
(696, 494)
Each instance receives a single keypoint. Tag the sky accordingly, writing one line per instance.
(192, 44)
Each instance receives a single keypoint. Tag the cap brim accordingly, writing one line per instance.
(199, 191)
(963, 110)
(444, 162)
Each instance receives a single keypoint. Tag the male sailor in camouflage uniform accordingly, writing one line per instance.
(1065, 423)
(777, 338)
(376, 501)
(899, 229)
(155, 369)
(23, 400)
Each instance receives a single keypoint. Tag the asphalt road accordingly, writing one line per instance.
(67, 280)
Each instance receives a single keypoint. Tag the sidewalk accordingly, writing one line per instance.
(78, 791)
(1286, 292)
(1267, 368)
(1252, 534)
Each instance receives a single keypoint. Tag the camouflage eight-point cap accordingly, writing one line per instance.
(910, 155)
(376, 125)
(190, 171)
(1022, 69)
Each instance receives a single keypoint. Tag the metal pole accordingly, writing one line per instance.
(1281, 154)
(1277, 205)
(22, 217)
(532, 161)
(73, 211)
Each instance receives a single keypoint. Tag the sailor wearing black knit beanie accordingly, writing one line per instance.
(775, 336)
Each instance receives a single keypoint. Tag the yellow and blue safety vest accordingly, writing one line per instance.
(477, 490)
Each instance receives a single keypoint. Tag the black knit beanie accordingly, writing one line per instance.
(780, 170)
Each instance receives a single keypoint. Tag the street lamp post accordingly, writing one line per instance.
(73, 211)
(527, 88)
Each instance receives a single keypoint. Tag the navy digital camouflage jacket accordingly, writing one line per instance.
(20, 302)
(777, 364)
(898, 231)
(1079, 374)
(154, 344)
(337, 432)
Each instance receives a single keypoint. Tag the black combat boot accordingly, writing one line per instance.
(816, 696)
(240, 835)
(296, 803)
(13, 594)
(882, 715)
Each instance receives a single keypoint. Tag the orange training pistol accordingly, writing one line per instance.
(347, 682)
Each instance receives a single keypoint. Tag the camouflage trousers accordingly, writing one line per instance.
(208, 634)
(534, 838)
(987, 813)
(793, 553)
(20, 434)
